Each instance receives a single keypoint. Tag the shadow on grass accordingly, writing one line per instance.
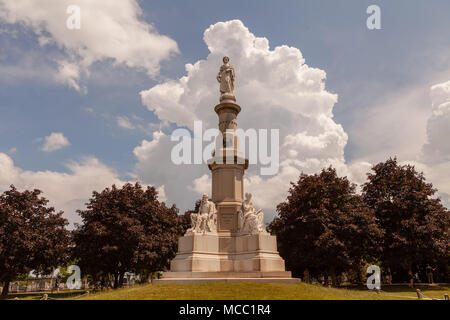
(39, 295)
(401, 288)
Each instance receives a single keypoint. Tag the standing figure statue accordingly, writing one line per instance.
(226, 79)
(205, 220)
(250, 221)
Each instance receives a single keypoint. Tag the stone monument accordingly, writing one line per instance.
(227, 240)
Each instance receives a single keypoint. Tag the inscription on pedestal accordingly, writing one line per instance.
(227, 222)
(227, 219)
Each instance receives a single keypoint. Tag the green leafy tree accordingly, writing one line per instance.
(32, 235)
(126, 230)
(324, 226)
(415, 223)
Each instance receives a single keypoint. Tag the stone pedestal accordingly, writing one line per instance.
(220, 258)
(227, 194)
(218, 253)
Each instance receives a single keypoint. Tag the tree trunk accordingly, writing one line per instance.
(359, 277)
(121, 275)
(333, 277)
(5, 290)
(326, 279)
(306, 276)
(118, 280)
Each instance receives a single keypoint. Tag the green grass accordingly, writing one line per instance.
(242, 291)
(260, 291)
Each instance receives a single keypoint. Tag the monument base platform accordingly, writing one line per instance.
(227, 258)
(226, 277)
(224, 280)
(204, 254)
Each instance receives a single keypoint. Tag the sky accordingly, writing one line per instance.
(83, 109)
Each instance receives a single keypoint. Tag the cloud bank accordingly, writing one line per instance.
(110, 30)
(66, 191)
(276, 90)
(435, 158)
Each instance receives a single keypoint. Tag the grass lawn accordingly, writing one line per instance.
(261, 291)
(242, 291)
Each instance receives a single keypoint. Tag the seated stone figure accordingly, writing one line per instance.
(205, 220)
(250, 221)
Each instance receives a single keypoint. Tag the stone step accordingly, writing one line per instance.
(224, 275)
(225, 280)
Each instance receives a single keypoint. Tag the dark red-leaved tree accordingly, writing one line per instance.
(126, 230)
(416, 224)
(32, 235)
(324, 226)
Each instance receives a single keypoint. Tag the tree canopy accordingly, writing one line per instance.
(415, 223)
(324, 226)
(32, 235)
(126, 230)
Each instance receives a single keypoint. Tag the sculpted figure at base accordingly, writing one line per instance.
(205, 220)
(226, 79)
(250, 221)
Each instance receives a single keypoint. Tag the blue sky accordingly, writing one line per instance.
(372, 71)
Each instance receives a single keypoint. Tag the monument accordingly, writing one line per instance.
(227, 240)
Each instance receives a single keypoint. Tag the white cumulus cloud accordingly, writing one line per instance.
(276, 90)
(401, 126)
(155, 167)
(125, 122)
(437, 147)
(69, 74)
(66, 191)
(111, 30)
(435, 158)
(55, 141)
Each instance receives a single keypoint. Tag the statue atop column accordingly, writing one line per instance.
(226, 78)
(250, 221)
(205, 220)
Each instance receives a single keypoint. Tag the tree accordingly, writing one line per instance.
(32, 235)
(415, 223)
(324, 226)
(126, 230)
